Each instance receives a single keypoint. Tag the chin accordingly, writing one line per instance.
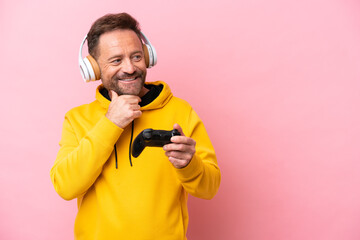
(128, 91)
(134, 89)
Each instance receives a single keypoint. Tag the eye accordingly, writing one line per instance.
(116, 61)
(137, 57)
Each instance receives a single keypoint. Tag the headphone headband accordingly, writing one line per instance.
(90, 70)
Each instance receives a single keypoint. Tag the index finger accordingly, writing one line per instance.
(131, 98)
(177, 127)
(183, 140)
(113, 94)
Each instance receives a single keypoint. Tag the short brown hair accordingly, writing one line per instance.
(108, 23)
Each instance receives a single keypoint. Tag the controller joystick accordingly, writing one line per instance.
(152, 138)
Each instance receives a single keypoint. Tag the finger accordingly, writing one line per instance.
(179, 147)
(137, 114)
(131, 98)
(113, 94)
(136, 107)
(177, 127)
(179, 155)
(183, 140)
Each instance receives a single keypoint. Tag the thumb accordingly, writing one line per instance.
(113, 94)
(177, 127)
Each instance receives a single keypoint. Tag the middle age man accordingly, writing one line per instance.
(120, 197)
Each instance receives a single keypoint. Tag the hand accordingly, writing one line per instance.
(181, 150)
(123, 109)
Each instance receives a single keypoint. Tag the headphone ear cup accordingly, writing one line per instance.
(94, 67)
(91, 69)
(150, 55)
(146, 55)
(84, 70)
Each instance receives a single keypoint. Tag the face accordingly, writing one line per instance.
(121, 61)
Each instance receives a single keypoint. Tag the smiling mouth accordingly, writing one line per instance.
(128, 79)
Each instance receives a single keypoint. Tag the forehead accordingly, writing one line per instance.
(119, 40)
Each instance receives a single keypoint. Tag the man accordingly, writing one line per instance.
(120, 197)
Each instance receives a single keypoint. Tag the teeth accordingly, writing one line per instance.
(129, 79)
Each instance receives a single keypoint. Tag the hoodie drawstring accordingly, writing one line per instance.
(131, 138)
(115, 156)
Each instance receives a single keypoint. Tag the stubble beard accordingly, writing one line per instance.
(123, 88)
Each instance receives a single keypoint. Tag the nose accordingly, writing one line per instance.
(128, 66)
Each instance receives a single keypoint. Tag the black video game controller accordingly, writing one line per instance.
(152, 138)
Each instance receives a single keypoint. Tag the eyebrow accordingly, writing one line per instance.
(122, 55)
(115, 56)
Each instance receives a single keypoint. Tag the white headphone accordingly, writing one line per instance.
(90, 70)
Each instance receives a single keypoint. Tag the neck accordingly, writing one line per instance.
(143, 91)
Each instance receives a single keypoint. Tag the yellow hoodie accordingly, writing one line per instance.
(145, 201)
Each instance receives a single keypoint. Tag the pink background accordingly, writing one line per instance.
(277, 84)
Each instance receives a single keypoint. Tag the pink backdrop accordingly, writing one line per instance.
(277, 84)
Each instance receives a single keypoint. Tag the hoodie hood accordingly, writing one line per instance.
(160, 101)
